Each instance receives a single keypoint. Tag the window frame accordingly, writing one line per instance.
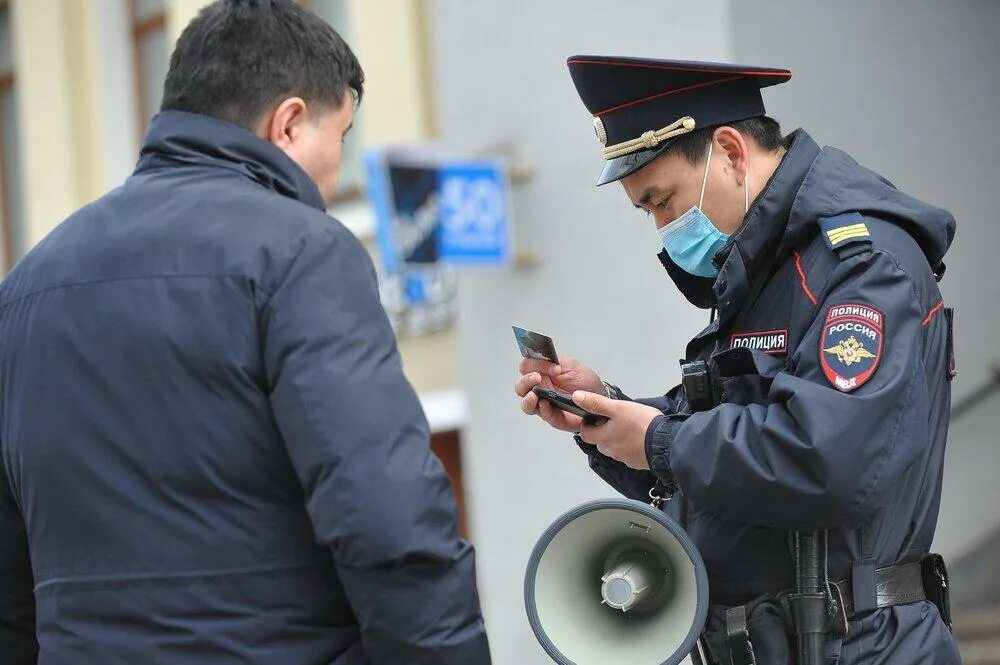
(447, 446)
(8, 80)
(352, 192)
(141, 30)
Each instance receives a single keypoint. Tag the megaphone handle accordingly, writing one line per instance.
(661, 492)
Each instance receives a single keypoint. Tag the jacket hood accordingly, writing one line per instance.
(176, 138)
(837, 184)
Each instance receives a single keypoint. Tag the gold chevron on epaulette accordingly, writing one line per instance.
(842, 233)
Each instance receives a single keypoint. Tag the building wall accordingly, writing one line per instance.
(57, 98)
(909, 88)
(598, 290)
(115, 89)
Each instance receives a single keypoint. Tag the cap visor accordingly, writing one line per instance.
(619, 167)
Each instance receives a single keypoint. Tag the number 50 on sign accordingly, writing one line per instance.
(474, 214)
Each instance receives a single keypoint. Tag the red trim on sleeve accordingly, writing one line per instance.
(802, 277)
(934, 310)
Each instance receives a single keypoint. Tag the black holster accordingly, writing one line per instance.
(757, 633)
(934, 575)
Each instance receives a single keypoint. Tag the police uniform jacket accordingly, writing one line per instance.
(209, 451)
(840, 423)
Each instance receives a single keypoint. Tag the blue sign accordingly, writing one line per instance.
(430, 210)
(474, 224)
(415, 289)
(403, 195)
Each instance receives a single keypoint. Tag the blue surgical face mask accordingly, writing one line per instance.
(692, 239)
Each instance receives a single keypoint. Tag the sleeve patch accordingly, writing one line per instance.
(851, 345)
(842, 230)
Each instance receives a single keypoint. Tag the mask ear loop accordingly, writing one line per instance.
(704, 179)
(746, 191)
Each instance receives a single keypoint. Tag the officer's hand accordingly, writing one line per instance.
(623, 437)
(568, 376)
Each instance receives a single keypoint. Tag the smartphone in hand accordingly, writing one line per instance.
(566, 403)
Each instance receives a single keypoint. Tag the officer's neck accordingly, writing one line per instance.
(767, 164)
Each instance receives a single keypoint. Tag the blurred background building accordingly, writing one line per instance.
(908, 87)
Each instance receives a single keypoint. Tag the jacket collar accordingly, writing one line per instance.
(753, 250)
(177, 138)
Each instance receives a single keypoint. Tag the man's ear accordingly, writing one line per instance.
(736, 150)
(286, 123)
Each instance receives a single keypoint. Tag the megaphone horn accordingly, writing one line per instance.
(616, 581)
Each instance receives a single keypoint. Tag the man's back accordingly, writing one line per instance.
(205, 428)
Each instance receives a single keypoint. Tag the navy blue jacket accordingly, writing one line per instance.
(210, 453)
(823, 432)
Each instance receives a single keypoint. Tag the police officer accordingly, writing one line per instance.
(816, 401)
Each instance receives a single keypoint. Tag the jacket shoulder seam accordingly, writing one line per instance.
(331, 233)
(131, 278)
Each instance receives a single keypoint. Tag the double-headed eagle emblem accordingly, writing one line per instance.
(850, 351)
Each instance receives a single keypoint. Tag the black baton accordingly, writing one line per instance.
(808, 603)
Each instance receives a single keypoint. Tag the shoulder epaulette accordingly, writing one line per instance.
(846, 233)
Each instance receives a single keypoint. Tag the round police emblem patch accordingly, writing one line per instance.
(851, 345)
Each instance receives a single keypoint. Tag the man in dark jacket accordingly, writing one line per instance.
(210, 452)
(829, 362)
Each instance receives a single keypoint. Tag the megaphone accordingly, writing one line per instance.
(615, 581)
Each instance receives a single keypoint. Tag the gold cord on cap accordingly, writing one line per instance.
(651, 139)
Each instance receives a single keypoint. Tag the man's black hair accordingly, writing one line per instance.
(763, 130)
(238, 58)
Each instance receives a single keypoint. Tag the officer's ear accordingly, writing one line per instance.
(731, 143)
(285, 126)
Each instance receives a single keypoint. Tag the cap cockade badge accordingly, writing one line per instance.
(602, 135)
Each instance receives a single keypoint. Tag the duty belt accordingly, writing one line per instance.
(870, 589)
(894, 585)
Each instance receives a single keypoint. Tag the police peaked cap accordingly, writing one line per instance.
(640, 105)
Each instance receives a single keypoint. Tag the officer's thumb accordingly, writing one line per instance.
(594, 403)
